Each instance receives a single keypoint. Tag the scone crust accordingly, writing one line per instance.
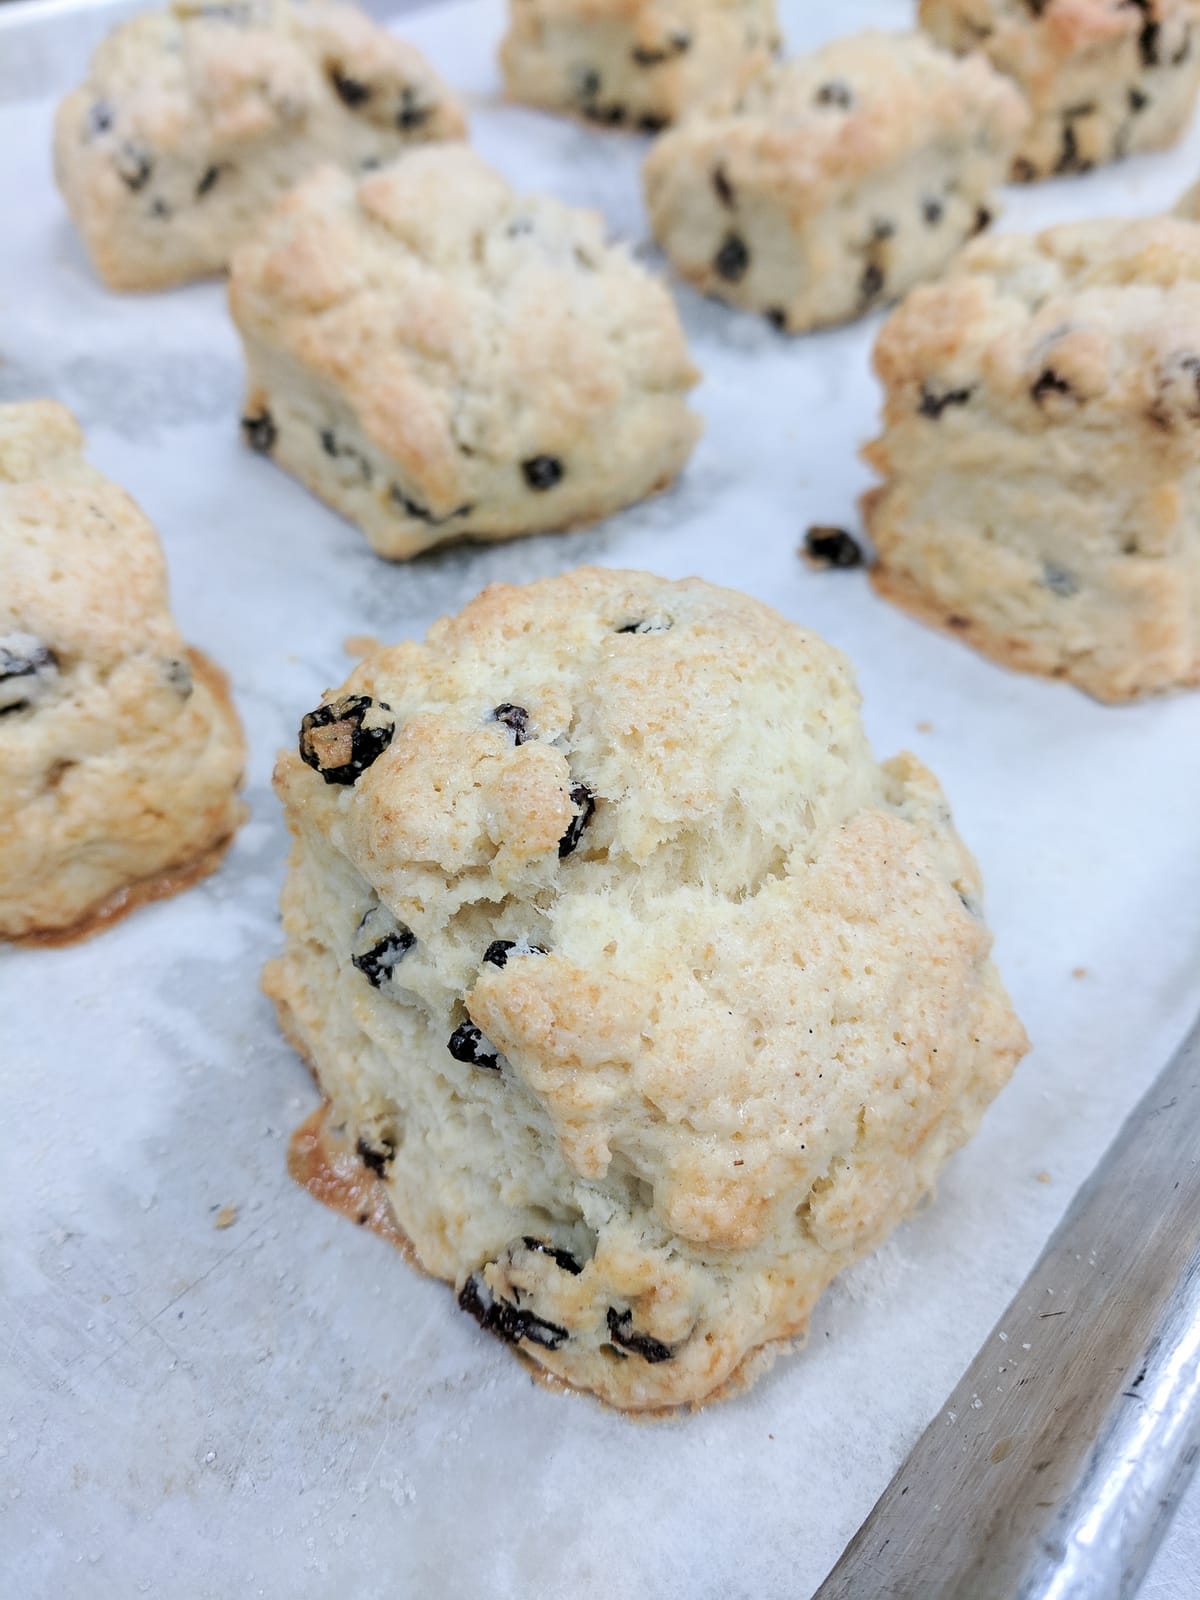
(440, 358)
(1103, 79)
(1040, 454)
(818, 187)
(120, 751)
(194, 120)
(631, 63)
(653, 998)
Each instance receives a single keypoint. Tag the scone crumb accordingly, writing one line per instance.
(225, 1217)
(1079, 972)
(360, 645)
(1042, 1177)
(924, 726)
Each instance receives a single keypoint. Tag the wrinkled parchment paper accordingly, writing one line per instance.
(202, 1408)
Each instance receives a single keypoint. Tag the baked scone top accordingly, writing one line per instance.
(457, 317)
(250, 69)
(764, 967)
(1030, 38)
(81, 569)
(1085, 322)
(851, 109)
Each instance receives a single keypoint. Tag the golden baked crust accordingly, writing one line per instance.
(1103, 78)
(120, 752)
(653, 997)
(194, 120)
(814, 189)
(440, 358)
(634, 63)
(1041, 456)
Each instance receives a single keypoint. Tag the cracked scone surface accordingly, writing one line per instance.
(655, 1000)
(441, 358)
(120, 753)
(1041, 454)
(1104, 78)
(194, 120)
(821, 186)
(637, 63)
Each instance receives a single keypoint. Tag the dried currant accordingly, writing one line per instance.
(583, 800)
(732, 259)
(620, 1331)
(376, 1157)
(27, 667)
(498, 952)
(723, 188)
(835, 93)
(208, 182)
(99, 119)
(832, 547)
(423, 513)
(377, 963)
(1059, 581)
(336, 741)
(134, 166)
(1049, 382)
(932, 403)
(508, 1322)
(258, 431)
(468, 1045)
(352, 92)
(542, 472)
(561, 1258)
(177, 670)
(515, 718)
(413, 111)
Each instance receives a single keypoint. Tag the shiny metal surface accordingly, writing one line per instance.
(1054, 1467)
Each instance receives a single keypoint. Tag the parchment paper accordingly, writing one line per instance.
(281, 1407)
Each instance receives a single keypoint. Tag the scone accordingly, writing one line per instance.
(653, 1000)
(641, 63)
(1104, 78)
(195, 120)
(825, 185)
(120, 753)
(1041, 454)
(439, 358)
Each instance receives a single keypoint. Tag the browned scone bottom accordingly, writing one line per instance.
(649, 997)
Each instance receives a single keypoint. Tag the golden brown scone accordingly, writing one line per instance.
(440, 358)
(821, 187)
(194, 120)
(120, 752)
(1104, 78)
(652, 997)
(633, 63)
(1040, 452)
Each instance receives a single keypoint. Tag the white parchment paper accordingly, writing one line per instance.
(281, 1407)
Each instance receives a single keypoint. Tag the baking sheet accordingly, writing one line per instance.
(280, 1406)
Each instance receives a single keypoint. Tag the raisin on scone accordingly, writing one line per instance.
(1041, 454)
(440, 358)
(1104, 78)
(631, 63)
(120, 752)
(655, 1006)
(196, 119)
(824, 186)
